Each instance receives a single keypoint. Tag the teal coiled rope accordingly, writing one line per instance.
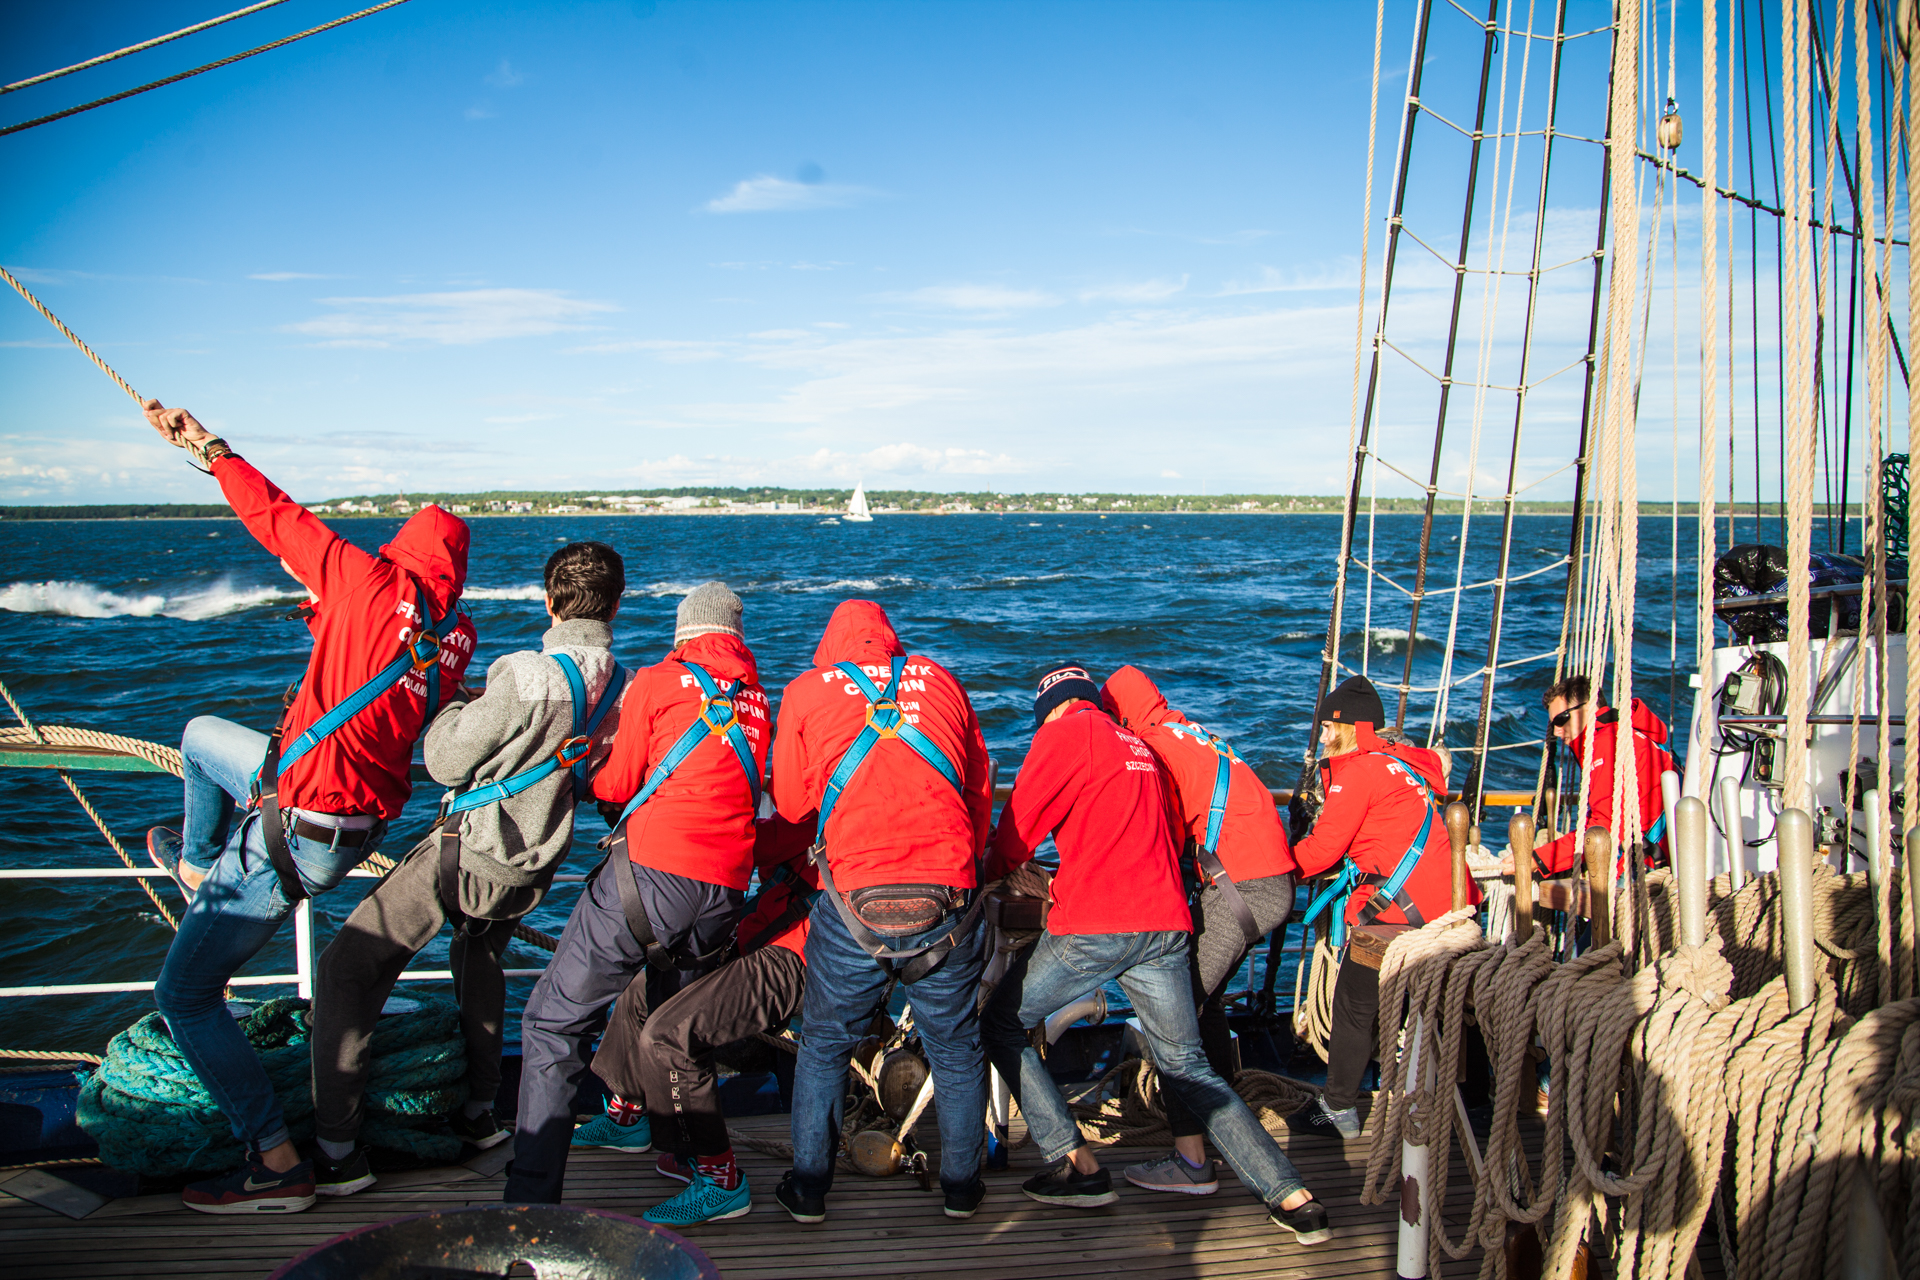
(151, 1115)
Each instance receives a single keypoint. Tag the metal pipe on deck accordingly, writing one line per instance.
(1872, 824)
(1690, 868)
(1734, 833)
(1520, 846)
(1410, 1258)
(1795, 834)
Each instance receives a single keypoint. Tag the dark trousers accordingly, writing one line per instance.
(1350, 1042)
(667, 1059)
(357, 971)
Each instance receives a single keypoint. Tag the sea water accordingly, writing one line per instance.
(134, 627)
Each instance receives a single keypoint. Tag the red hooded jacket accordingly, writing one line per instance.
(780, 844)
(700, 823)
(1650, 759)
(364, 612)
(1253, 843)
(1098, 791)
(1371, 814)
(898, 821)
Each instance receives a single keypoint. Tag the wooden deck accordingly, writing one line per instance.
(875, 1228)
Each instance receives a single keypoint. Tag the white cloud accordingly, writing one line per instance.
(477, 112)
(1144, 291)
(1270, 280)
(974, 297)
(449, 319)
(1170, 475)
(278, 276)
(766, 194)
(505, 77)
(671, 350)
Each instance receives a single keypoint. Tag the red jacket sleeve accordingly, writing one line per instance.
(1333, 832)
(321, 558)
(790, 760)
(1564, 854)
(1043, 794)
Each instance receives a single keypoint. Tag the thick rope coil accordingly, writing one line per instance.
(1413, 975)
(151, 1115)
(63, 735)
(1313, 1010)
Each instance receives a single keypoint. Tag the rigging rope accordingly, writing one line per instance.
(142, 47)
(187, 75)
(71, 336)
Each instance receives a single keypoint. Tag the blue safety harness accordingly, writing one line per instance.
(719, 718)
(886, 720)
(1389, 890)
(571, 754)
(419, 656)
(1207, 856)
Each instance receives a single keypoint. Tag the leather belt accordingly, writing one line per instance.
(342, 837)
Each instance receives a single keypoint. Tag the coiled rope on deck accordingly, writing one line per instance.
(151, 1115)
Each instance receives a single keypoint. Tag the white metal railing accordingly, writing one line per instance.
(301, 979)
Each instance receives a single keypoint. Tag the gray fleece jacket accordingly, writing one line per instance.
(523, 717)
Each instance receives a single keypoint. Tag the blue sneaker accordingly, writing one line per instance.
(704, 1200)
(602, 1132)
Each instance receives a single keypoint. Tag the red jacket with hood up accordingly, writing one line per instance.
(1650, 758)
(1253, 843)
(1371, 814)
(898, 821)
(700, 823)
(364, 612)
(1099, 792)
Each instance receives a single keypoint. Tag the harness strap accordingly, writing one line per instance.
(572, 754)
(420, 655)
(704, 726)
(884, 720)
(1390, 890)
(1208, 854)
(913, 963)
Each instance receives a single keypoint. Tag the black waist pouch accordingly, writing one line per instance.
(902, 910)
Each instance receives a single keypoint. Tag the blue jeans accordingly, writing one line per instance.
(845, 987)
(221, 758)
(1152, 968)
(236, 911)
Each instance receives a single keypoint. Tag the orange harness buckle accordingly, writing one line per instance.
(573, 751)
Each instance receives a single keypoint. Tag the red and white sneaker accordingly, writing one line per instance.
(672, 1166)
(253, 1188)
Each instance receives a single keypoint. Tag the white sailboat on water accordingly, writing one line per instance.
(857, 509)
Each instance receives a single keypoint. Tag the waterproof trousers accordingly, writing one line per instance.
(1350, 1040)
(598, 958)
(666, 1059)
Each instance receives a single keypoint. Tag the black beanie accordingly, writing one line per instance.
(1063, 683)
(1355, 700)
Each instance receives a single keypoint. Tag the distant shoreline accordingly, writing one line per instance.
(69, 515)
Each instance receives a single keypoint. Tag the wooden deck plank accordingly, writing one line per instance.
(874, 1227)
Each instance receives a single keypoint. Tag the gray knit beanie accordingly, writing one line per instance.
(708, 609)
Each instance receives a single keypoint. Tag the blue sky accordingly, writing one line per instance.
(942, 245)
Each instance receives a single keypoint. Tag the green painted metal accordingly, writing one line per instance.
(36, 757)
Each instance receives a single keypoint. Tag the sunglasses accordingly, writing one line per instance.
(1560, 721)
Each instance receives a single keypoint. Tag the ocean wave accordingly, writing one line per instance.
(84, 600)
(526, 591)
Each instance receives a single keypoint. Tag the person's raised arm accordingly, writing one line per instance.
(321, 559)
(1042, 796)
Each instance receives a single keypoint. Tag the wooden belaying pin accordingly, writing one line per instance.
(1599, 850)
(1520, 846)
(1459, 818)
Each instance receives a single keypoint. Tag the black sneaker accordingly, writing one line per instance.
(800, 1206)
(1308, 1222)
(480, 1131)
(253, 1188)
(341, 1177)
(961, 1204)
(1068, 1187)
